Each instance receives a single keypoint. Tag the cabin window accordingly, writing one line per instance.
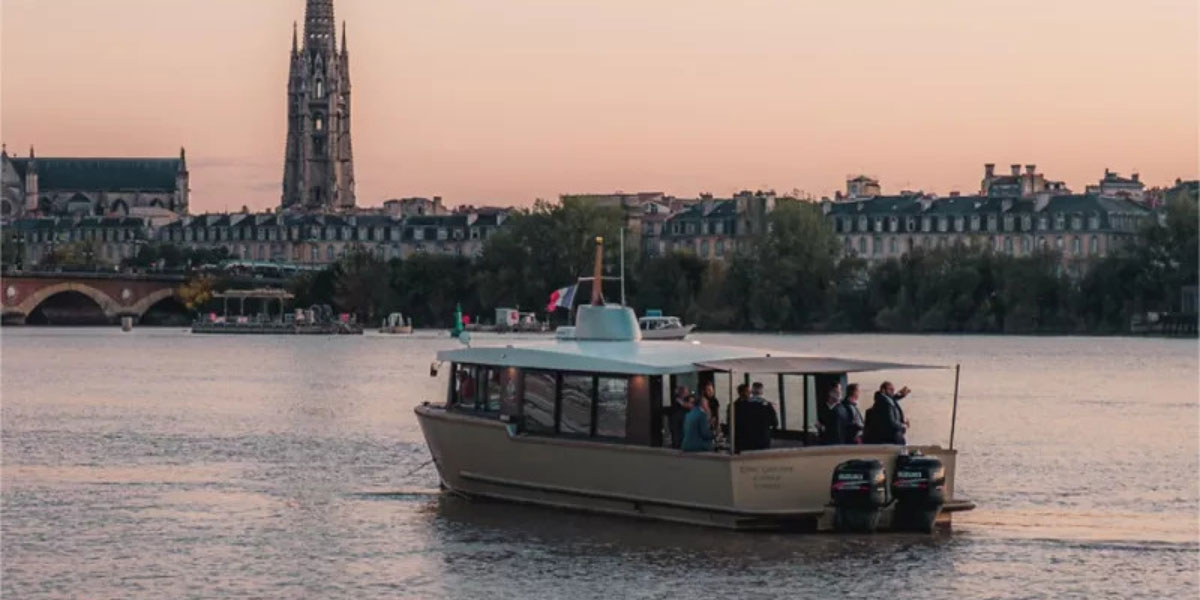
(493, 389)
(465, 387)
(611, 401)
(538, 405)
(576, 404)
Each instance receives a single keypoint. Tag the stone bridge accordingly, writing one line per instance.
(115, 295)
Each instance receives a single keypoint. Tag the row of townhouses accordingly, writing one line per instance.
(307, 239)
(121, 206)
(1017, 213)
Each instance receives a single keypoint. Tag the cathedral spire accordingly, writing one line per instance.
(319, 24)
(318, 170)
(295, 44)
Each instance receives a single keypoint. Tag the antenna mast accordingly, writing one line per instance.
(598, 271)
(622, 266)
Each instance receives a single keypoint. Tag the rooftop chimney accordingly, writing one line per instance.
(989, 170)
(1030, 169)
(1134, 176)
(1016, 170)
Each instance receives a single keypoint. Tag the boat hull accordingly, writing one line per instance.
(773, 489)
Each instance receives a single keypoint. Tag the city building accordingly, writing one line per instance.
(60, 187)
(1017, 184)
(100, 240)
(1183, 190)
(318, 171)
(323, 238)
(1113, 185)
(1080, 226)
(713, 228)
(862, 186)
(633, 208)
(415, 207)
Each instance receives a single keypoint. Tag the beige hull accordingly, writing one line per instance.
(784, 488)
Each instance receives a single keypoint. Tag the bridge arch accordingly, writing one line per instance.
(140, 307)
(31, 302)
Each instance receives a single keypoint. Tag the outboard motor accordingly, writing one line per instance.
(859, 491)
(919, 488)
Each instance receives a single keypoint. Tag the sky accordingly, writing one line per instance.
(502, 102)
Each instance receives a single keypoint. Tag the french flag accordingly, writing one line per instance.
(562, 297)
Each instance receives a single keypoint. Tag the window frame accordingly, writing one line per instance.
(593, 405)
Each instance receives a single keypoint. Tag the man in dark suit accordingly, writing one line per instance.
(849, 418)
(826, 421)
(752, 421)
(885, 423)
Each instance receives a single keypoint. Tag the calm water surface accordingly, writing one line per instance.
(158, 464)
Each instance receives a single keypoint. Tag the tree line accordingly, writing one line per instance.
(793, 278)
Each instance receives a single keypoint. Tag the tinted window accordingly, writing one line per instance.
(611, 398)
(466, 387)
(576, 404)
(494, 389)
(538, 407)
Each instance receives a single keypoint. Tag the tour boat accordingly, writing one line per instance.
(579, 422)
(663, 328)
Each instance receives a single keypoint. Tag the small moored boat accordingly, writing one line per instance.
(663, 328)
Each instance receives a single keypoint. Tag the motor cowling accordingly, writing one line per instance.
(919, 489)
(859, 491)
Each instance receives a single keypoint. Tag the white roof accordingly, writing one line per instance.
(656, 358)
(628, 357)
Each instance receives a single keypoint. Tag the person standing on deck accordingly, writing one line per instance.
(885, 423)
(753, 421)
(697, 435)
(676, 414)
(826, 421)
(756, 396)
(850, 419)
(712, 406)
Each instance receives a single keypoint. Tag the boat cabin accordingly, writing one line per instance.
(615, 390)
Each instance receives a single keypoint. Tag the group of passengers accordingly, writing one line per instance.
(695, 424)
(840, 421)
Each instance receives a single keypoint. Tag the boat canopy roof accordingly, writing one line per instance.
(656, 358)
(806, 364)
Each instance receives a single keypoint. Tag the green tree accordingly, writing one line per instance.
(427, 287)
(542, 249)
(360, 284)
(786, 280)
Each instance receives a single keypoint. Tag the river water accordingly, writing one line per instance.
(158, 464)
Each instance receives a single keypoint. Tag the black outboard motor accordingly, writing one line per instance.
(859, 491)
(919, 488)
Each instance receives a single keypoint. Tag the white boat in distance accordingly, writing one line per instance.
(663, 328)
(580, 423)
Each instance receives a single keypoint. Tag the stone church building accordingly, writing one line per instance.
(60, 187)
(318, 172)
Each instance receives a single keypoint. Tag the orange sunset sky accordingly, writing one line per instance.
(504, 101)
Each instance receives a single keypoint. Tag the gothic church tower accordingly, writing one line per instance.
(318, 171)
